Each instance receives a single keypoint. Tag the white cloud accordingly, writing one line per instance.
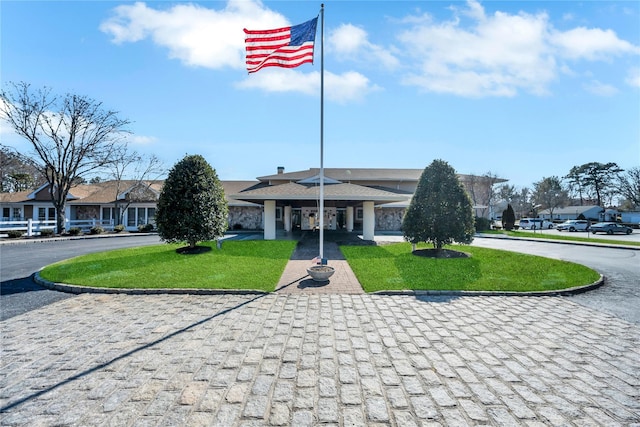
(141, 139)
(341, 88)
(601, 89)
(633, 77)
(195, 35)
(498, 56)
(591, 44)
(351, 42)
(501, 54)
(209, 38)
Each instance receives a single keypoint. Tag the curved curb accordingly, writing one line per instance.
(76, 289)
(559, 292)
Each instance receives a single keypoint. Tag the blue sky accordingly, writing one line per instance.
(524, 89)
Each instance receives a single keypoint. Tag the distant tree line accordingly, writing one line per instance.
(594, 183)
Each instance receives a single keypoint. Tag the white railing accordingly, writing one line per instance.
(34, 227)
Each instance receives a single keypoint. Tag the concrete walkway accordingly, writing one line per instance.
(295, 278)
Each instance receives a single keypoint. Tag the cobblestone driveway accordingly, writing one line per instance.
(239, 360)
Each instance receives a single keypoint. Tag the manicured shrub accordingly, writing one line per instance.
(96, 230)
(441, 211)
(47, 232)
(192, 206)
(118, 228)
(508, 218)
(146, 228)
(75, 231)
(14, 234)
(482, 224)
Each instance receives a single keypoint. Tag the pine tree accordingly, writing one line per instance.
(441, 211)
(191, 206)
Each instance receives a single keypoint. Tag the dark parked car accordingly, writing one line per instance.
(610, 228)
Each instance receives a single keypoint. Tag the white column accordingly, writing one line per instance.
(349, 219)
(269, 220)
(287, 218)
(368, 221)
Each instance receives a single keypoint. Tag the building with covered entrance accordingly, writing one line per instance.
(363, 200)
(367, 200)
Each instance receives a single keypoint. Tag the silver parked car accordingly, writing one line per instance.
(610, 228)
(573, 225)
(535, 223)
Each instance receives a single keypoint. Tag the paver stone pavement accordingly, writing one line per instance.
(303, 357)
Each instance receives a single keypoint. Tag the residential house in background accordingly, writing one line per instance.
(594, 213)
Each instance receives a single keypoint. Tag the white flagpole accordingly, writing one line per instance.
(321, 213)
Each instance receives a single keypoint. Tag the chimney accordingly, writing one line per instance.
(280, 170)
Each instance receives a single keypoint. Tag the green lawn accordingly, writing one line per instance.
(394, 267)
(239, 265)
(258, 265)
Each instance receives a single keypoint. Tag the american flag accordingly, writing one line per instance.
(286, 47)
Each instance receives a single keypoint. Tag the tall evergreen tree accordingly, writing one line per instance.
(441, 211)
(508, 218)
(191, 206)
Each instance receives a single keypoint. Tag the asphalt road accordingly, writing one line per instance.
(620, 296)
(18, 262)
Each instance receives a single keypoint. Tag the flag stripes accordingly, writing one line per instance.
(286, 47)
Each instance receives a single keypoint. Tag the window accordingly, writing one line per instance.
(151, 215)
(359, 214)
(42, 214)
(142, 216)
(6, 212)
(131, 217)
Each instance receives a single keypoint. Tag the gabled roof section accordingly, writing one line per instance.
(38, 194)
(154, 187)
(349, 174)
(233, 187)
(15, 197)
(316, 180)
(295, 191)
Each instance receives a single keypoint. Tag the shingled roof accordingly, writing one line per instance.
(294, 191)
(350, 174)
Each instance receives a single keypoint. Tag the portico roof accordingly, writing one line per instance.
(336, 192)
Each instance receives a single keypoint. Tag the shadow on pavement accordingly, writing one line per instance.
(18, 286)
(100, 366)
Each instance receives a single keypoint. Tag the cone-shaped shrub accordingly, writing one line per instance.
(192, 206)
(441, 211)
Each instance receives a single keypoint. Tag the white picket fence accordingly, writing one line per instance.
(33, 227)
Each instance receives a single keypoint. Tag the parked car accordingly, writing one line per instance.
(535, 223)
(573, 225)
(610, 228)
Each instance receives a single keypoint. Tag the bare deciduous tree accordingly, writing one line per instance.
(629, 186)
(141, 170)
(72, 136)
(550, 194)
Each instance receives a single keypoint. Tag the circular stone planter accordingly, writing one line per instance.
(320, 273)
